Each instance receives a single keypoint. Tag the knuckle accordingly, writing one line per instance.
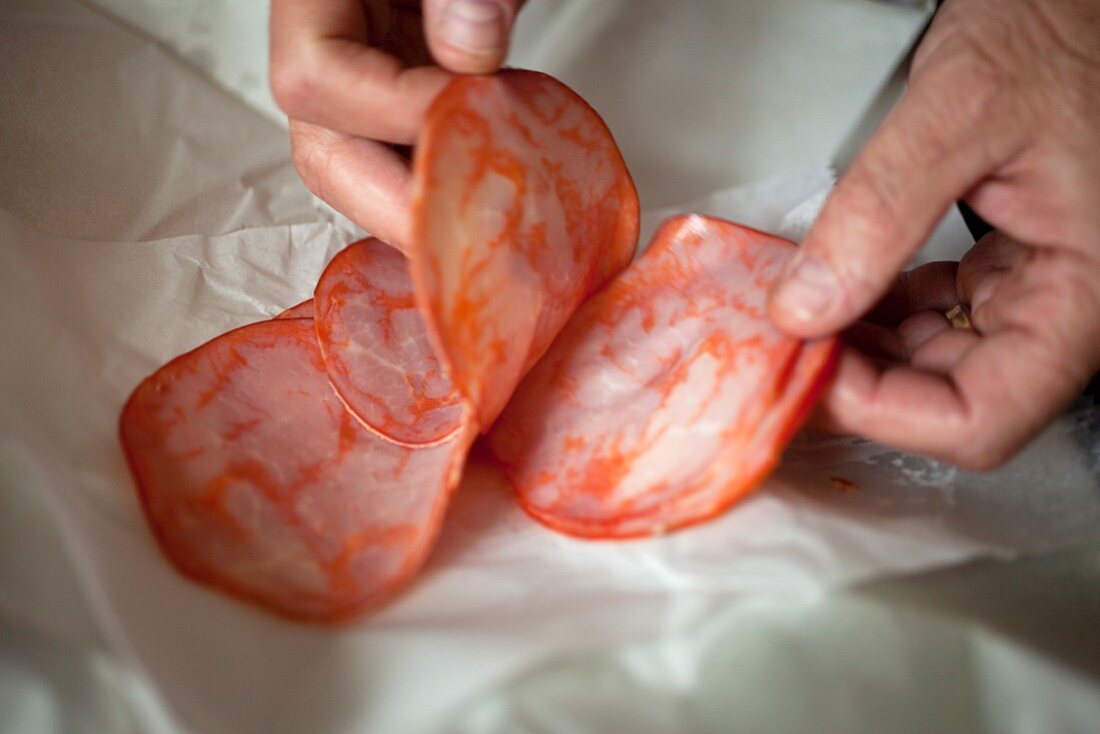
(293, 85)
(978, 89)
(963, 80)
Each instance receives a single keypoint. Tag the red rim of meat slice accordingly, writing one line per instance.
(257, 481)
(376, 347)
(303, 310)
(669, 395)
(522, 207)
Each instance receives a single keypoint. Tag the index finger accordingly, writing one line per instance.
(324, 71)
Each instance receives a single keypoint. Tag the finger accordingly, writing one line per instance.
(925, 412)
(1003, 386)
(920, 328)
(324, 72)
(469, 36)
(879, 343)
(944, 350)
(870, 400)
(930, 287)
(924, 156)
(985, 266)
(363, 179)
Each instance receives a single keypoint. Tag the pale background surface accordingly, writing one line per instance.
(147, 203)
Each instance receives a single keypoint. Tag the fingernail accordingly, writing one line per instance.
(808, 290)
(475, 25)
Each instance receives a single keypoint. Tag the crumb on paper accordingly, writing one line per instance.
(840, 484)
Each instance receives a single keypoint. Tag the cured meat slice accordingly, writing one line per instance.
(304, 463)
(256, 479)
(376, 347)
(522, 207)
(669, 395)
(303, 310)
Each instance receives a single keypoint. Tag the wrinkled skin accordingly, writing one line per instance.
(1002, 111)
(356, 78)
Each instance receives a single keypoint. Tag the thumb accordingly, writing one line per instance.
(920, 160)
(469, 36)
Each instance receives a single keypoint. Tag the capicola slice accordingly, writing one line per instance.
(257, 481)
(376, 347)
(522, 207)
(669, 395)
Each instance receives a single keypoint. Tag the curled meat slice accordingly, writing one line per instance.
(256, 480)
(376, 347)
(303, 310)
(522, 207)
(669, 395)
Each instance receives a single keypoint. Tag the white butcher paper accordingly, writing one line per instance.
(108, 277)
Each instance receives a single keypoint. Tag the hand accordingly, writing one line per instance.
(1003, 111)
(353, 78)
